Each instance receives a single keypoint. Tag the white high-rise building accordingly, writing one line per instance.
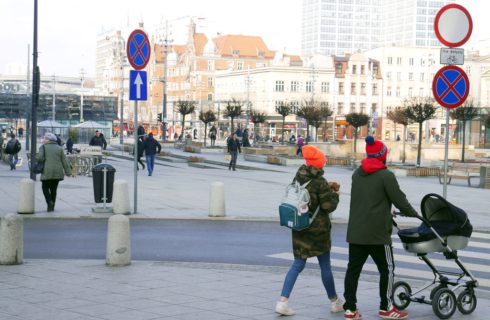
(347, 26)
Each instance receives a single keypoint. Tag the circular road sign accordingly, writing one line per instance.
(453, 25)
(138, 49)
(450, 86)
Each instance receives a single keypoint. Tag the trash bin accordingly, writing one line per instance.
(98, 178)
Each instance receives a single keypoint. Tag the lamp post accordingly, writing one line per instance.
(164, 83)
(82, 79)
(120, 47)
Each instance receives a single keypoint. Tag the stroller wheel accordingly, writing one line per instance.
(435, 289)
(444, 303)
(466, 301)
(401, 294)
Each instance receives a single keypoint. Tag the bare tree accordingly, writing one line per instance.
(207, 117)
(466, 112)
(185, 107)
(284, 109)
(308, 111)
(419, 109)
(257, 118)
(233, 110)
(357, 120)
(398, 116)
(325, 112)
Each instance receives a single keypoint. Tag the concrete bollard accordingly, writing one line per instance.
(26, 197)
(217, 200)
(11, 239)
(118, 241)
(120, 198)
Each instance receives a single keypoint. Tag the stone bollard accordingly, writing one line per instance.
(217, 200)
(120, 198)
(11, 239)
(118, 241)
(26, 197)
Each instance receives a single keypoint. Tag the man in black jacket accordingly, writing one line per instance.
(98, 140)
(233, 148)
(152, 147)
(373, 192)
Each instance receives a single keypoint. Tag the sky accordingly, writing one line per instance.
(67, 29)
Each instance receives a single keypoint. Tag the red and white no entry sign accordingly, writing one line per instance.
(453, 25)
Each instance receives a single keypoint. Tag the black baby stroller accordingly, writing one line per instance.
(445, 228)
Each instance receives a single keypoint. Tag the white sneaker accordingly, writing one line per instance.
(283, 308)
(337, 306)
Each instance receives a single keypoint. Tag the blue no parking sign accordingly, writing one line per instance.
(450, 87)
(138, 49)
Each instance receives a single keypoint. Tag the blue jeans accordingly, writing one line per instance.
(298, 266)
(13, 159)
(150, 162)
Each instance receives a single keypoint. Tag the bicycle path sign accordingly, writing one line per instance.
(138, 49)
(450, 87)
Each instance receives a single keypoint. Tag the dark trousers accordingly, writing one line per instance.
(141, 162)
(382, 255)
(49, 190)
(234, 155)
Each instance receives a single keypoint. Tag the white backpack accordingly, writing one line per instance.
(293, 210)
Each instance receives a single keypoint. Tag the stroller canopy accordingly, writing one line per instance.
(436, 208)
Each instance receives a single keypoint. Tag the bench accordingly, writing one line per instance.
(463, 171)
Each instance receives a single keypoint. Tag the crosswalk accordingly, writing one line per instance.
(475, 257)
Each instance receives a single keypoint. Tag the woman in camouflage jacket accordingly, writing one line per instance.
(316, 240)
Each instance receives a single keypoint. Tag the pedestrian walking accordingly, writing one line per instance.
(13, 148)
(314, 241)
(233, 149)
(212, 134)
(374, 189)
(98, 140)
(245, 139)
(299, 145)
(140, 153)
(151, 147)
(69, 145)
(1, 146)
(55, 168)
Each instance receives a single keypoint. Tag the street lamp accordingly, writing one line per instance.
(121, 51)
(82, 78)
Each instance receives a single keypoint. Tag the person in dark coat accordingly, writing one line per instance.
(233, 149)
(141, 150)
(98, 140)
(212, 134)
(245, 139)
(314, 241)
(374, 190)
(56, 167)
(69, 145)
(151, 147)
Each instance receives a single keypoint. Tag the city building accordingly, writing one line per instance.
(347, 26)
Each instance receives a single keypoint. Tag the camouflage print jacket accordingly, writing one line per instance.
(315, 240)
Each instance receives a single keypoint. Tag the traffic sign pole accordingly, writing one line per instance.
(136, 138)
(446, 155)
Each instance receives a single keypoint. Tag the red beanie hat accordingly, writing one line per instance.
(314, 156)
(376, 149)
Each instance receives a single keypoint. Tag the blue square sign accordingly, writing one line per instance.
(137, 85)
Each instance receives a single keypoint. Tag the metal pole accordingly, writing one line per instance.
(121, 111)
(165, 75)
(135, 167)
(28, 87)
(54, 98)
(81, 94)
(104, 199)
(446, 153)
(35, 95)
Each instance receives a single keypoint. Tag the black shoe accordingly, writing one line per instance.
(234, 169)
(143, 166)
(50, 206)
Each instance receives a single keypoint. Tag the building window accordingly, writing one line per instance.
(309, 86)
(279, 86)
(210, 97)
(410, 92)
(468, 70)
(388, 75)
(326, 87)
(363, 108)
(352, 107)
(341, 88)
(210, 65)
(294, 86)
(410, 61)
(363, 69)
(375, 89)
(338, 68)
(397, 91)
(340, 107)
(363, 88)
(399, 60)
(235, 52)
(390, 60)
(294, 106)
(210, 82)
(239, 66)
(375, 69)
(352, 88)
(399, 76)
(388, 91)
(354, 69)
(421, 92)
(422, 76)
(410, 76)
(374, 107)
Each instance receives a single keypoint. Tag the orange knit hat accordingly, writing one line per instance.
(314, 156)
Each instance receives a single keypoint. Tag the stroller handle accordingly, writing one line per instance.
(424, 220)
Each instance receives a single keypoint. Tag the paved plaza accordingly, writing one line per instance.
(88, 290)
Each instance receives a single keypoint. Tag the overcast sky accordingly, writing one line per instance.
(67, 29)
